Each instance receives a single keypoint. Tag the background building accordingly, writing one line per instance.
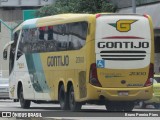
(11, 13)
(128, 3)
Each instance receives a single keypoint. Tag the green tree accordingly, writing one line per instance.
(76, 6)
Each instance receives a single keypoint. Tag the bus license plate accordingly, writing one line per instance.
(123, 93)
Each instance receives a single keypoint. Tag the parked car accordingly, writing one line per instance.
(4, 88)
(155, 101)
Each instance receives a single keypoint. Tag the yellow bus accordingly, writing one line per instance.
(75, 59)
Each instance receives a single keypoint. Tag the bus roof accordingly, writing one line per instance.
(57, 19)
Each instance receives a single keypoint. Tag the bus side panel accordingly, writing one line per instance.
(22, 75)
(72, 69)
(29, 72)
(78, 64)
(91, 57)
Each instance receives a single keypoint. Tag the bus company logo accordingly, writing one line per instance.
(123, 25)
(20, 65)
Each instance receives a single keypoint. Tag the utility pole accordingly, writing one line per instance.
(134, 6)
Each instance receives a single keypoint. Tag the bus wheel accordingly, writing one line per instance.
(128, 106)
(63, 98)
(119, 106)
(156, 106)
(112, 106)
(142, 105)
(24, 103)
(74, 106)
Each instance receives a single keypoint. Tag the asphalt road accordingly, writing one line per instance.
(53, 111)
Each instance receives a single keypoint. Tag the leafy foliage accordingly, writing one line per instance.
(76, 6)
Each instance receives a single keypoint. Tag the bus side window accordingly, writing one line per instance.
(25, 41)
(50, 32)
(12, 55)
(77, 35)
(20, 47)
(12, 51)
(41, 33)
(62, 38)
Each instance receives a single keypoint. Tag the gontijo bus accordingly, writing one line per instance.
(82, 58)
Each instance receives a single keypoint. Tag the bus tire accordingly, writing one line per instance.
(119, 106)
(112, 106)
(74, 106)
(63, 98)
(128, 106)
(156, 106)
(142, 105)
(24, 103)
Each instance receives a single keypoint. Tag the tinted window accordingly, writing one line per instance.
(12, 51)
(77, 35)
(60, 36)
(71, 36)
